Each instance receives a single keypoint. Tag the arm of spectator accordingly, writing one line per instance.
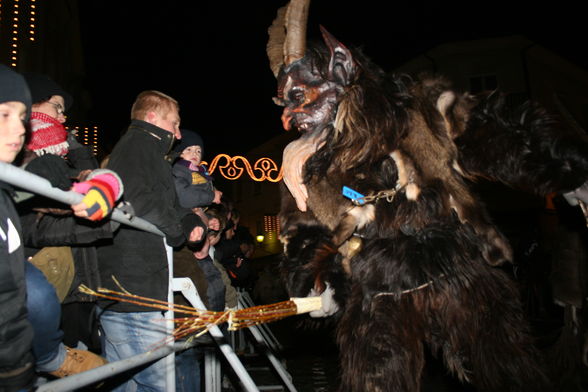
(54, 169)
(40, 230)
(217, 196)
(194, 228)
(102, 189)
(79, 155)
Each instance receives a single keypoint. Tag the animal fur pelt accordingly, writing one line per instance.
(425, 275)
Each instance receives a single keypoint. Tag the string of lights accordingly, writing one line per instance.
(15, 17)
(87, 136)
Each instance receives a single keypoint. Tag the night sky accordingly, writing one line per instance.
(210, 56)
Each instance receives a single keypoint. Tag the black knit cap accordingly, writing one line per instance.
(43, 87)
(13, 87)
(189, 138)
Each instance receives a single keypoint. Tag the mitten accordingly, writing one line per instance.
(189, 222)
(102, 189)
(73, 141)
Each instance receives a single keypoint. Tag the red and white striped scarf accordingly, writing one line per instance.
(48, 135)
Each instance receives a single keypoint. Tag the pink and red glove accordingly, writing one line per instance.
(102, 189)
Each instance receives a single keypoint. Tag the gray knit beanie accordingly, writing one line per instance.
(13, 87)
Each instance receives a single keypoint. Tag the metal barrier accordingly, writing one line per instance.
(38, 185)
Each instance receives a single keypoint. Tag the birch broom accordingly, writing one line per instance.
(198, 321)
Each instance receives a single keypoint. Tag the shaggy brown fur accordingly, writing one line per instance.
(425, 277)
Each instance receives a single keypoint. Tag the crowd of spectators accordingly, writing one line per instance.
(48, 327)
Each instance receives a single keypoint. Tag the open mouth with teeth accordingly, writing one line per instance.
(290, 121)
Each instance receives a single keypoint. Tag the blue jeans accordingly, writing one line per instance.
(44, 313)
(125, 335)
(188, 370)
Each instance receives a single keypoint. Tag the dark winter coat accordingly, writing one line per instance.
(49, 229)
(137, 259)
(16, 333)
(194, 189)
(41, 230)
(215, 291)
(186, 266)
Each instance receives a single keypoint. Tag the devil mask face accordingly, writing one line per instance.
(310, 88)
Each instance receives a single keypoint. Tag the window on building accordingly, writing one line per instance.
(271, 227)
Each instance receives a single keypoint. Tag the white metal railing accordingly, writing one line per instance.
(38, 185)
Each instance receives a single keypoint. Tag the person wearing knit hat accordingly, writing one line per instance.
(17, 370)
(189, 138)
(192, 181)
(31, 339)
(43, 88)
(50, 102)
(14, 87)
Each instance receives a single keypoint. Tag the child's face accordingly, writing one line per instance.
(12, 130)
(192, 154)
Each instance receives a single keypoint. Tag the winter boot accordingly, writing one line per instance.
(77, 361)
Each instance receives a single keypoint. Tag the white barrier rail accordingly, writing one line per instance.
(38, 185)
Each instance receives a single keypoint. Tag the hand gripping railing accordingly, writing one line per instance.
(38, 185)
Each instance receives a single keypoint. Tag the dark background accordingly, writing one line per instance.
(210, 56)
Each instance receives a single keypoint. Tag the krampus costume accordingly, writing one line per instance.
(406, 257)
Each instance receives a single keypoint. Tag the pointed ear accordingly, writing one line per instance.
(342, 68)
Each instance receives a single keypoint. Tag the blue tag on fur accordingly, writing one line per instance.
(351, 194)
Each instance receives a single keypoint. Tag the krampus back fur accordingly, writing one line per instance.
(426, 275)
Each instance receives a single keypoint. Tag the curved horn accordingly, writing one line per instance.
(287, 35)
(275, 43)
(296, 18)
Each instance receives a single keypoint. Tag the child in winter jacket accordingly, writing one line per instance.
(193, 182)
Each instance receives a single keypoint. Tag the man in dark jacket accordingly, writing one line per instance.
(137, 259)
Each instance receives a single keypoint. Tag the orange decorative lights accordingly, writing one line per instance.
(231, 168)
(14, 53)
(32, 20)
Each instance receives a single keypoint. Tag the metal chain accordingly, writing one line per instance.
(388, 194)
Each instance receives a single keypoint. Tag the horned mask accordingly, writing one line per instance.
(311, 81)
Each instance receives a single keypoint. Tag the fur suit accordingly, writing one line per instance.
(412, 266)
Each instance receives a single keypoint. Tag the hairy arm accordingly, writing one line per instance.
(527, 148)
